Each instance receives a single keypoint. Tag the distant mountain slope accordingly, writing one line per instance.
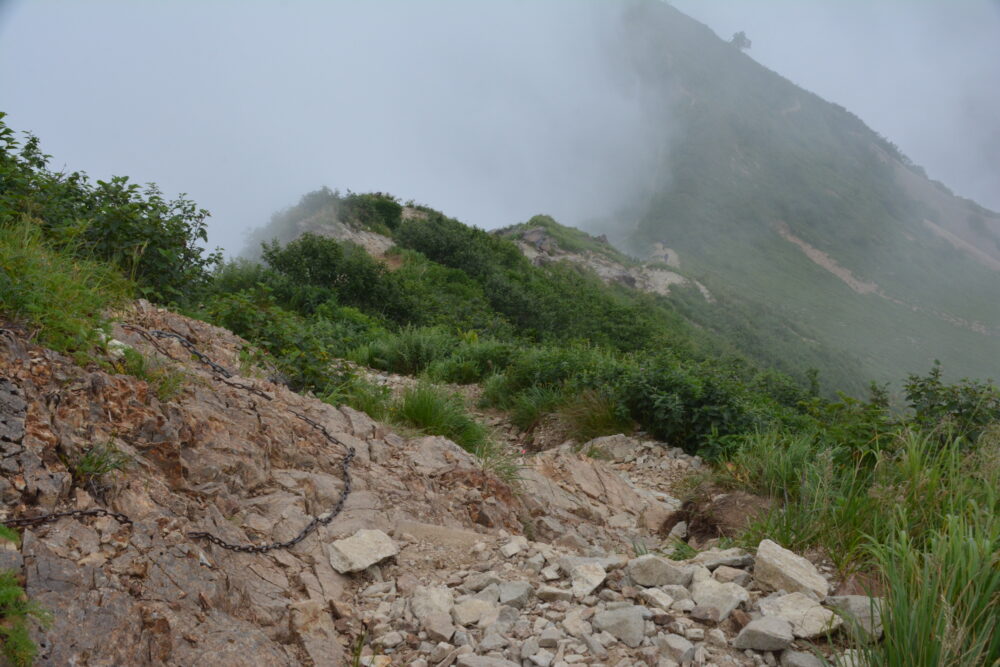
(790, 200)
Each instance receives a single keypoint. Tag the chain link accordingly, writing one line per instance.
(314, 523)
(55, 516)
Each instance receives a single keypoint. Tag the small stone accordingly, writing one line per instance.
(515, 593)
(529, 648)
(725, 575)
(542, 658)
(478, 581)
(550, 573)
(651, 570)
(676, 647)
(390, 639)
(492, 641)
(791, 658)
(551, 593)
(516, 545)
(626, 624)
(361, 550)
(765, 634)
(777, 568)
(431, 600)
(683, 606)
(438, 626)
(470, 611)
(440, 652)
(586, 578)
(550, 637)
(695, 634)
(654, 597)
(715, 601)
(470, 660)
(715, 558)
(716, 637)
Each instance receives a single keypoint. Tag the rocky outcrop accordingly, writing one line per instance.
(410, 567)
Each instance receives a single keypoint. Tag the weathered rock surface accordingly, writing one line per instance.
(652, 570)
(361, 551)
(626, 624)
(770, 633)
(863, 614)
(809, 619)
(779, 569)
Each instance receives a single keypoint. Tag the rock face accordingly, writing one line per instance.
(863, 614)
(780, 569)
(361, 551)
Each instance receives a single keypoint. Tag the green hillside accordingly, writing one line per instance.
(782, 198)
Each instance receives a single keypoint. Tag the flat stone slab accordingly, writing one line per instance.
(779, 569)
(361, 550)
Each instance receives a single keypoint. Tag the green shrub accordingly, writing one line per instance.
(152, 240)
(963, 409)
(376, 211)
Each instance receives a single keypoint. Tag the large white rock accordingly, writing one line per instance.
(779, 569)
(586, 577)
(626, 624)
(650, 570)
(361, 550)
(431, 600)
(809, 618)
(715, 601)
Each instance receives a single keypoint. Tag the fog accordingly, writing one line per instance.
(491, 112)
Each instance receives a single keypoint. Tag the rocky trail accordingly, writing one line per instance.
(432, 562)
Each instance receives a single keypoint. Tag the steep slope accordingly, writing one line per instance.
(792, 201)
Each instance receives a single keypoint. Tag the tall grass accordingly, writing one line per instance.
(61, 297)
(408, 352)
(437, 412)
(921, 513)
(591, 414)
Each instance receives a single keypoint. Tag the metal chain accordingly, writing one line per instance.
(55, 516)
(314, 523)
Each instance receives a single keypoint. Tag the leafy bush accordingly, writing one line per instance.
(376, 211)
(150, 239)
(963, 409)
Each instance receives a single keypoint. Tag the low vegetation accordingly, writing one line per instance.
(17, 613)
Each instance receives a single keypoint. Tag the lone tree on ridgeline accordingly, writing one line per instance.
(740, 41)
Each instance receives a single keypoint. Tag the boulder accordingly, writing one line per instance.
(714, 601)
(586, 578)
(778, 569)
(650, 570)
(360, 551)
(626, 624)
(809, 618)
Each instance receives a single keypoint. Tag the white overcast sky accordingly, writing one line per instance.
(490, 111)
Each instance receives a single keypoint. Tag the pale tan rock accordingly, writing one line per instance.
(777, 568)
(360, 551)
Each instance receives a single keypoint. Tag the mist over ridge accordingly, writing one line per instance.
(490, 111)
